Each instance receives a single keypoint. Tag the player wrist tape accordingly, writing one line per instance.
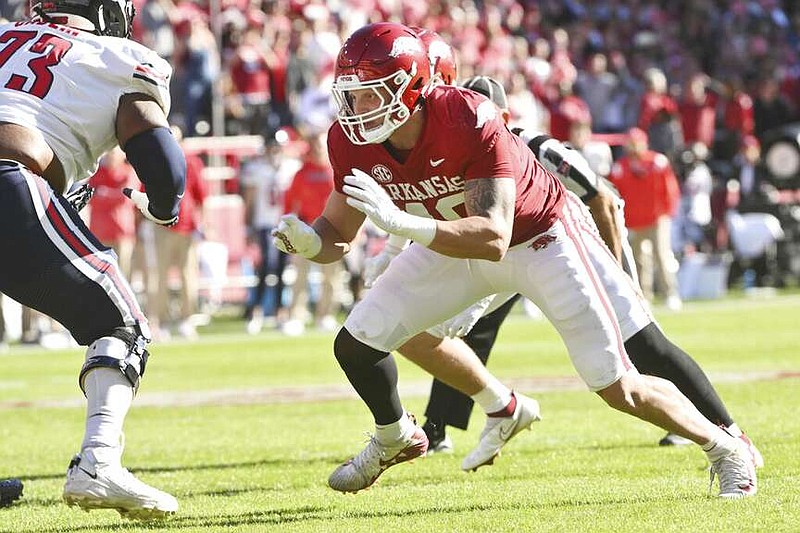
(418, 229)
(395, 244)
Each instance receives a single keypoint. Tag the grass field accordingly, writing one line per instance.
(245, 430)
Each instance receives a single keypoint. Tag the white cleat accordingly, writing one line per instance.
(92, 484)
(499, 430)
(758, 459)
(736, 473)
(364, 469)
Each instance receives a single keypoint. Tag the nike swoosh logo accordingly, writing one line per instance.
(407, 453)
(436, 162)
(93, 476)
(505, 435)
(399, 458)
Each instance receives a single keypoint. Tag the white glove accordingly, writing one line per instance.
(367, 196)
(293, 236)
(375, 265)
(143, 204)
(462, 323)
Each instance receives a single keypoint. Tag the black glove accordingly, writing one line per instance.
(79, 196)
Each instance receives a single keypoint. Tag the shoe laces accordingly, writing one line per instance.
(368, 457)
(732, 472)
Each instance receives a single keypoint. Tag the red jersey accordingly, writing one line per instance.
(190, 214)
(250, 73)
(309, 191)
(649, 187)
(738, 115)
(113, 216)
(697, 122)
(464, 138)
(655, 106)
(566, 112)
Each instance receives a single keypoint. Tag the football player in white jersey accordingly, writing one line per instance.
(72, 86)
(485, 218)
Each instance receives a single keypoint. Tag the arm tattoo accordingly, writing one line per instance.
(488, 197)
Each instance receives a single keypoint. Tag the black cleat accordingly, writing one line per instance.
(10, 491)
(438, 441)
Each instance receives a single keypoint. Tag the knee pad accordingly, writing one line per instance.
(123, 349)
(351, 352)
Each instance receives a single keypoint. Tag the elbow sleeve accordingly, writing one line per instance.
(159, 163)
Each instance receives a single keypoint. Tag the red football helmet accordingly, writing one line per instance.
(441, 56)
(389, 60)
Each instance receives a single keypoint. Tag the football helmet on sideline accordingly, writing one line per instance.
(101, 17)
(389, 60)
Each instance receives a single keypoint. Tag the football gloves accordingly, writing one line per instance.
(462, 323)
(366, 195)
(375, 265)
(143, 204)
(79, 196)
(293, 236)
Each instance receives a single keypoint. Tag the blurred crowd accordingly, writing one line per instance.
(700, 81)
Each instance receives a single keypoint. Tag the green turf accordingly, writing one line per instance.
(262, 466)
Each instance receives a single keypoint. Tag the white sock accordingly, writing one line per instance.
(734, 430)
(109, 395)
(396, 431)
(720, 446)
(494, 397)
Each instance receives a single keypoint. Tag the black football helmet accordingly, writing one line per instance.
(101, 17)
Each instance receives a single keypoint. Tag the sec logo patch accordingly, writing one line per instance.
(381, 173)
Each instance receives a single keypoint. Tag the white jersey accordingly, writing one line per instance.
(66, 84)
(567, 164)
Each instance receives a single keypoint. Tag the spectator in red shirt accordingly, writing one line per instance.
(306, 198)
(250, 81)
(280, 113)
(737, 118)
(658, 115)
(648, 185)
(112, 216)
(566, 111)
(697, 112)
(176, 249)
(738, 111)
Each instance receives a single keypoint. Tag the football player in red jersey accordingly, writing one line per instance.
(436, 164)
(73, 87)
(649, 349)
